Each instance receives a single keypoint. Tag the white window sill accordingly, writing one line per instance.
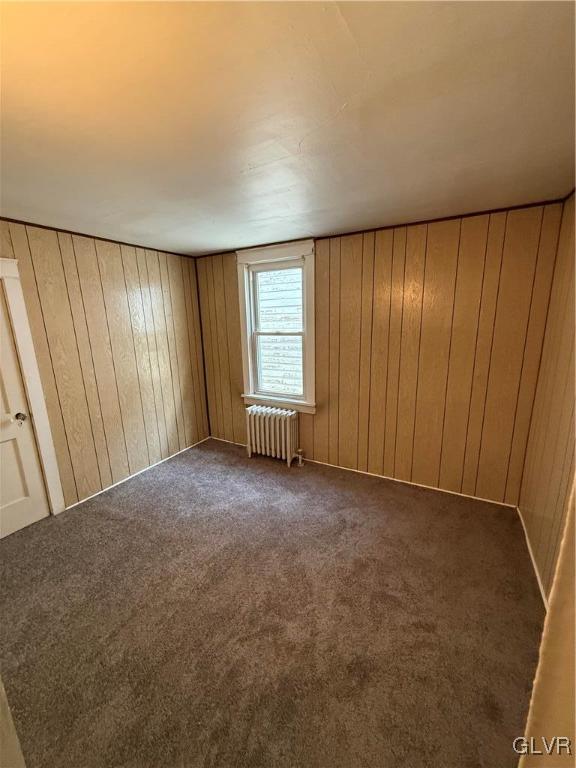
(280, 402)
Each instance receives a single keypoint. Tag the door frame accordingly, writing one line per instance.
(10, 279)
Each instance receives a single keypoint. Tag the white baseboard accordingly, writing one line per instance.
(108, 487)
(409, 482)
(230, 442)
(442, 490)
(533, 559)
(466, 496)
(386, 477)
(348, 469)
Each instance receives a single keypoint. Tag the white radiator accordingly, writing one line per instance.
(272, 432)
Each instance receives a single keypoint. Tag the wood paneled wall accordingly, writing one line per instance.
(428, 343)
(118, 339)
(220, 309)
(548, 479)
(428, 346)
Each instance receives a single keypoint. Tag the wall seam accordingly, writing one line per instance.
(52, 364)
(134, 352)
(448, 367)
(112, 358)
(80, 366)
(524, 346)
(541, 351)
(491, 351)
(203, 349)
(478, 316)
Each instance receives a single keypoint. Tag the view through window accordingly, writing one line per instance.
(276, 288)
(278, 331)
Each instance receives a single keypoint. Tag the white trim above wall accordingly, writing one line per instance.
(10, 277)
(283, 251)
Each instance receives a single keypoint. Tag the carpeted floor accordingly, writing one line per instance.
(220, 611)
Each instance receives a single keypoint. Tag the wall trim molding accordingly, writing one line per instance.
(438, 490)
(202, 347)
(561, 199)
(18, 315)
(129, 477)
(91, 237)
(414, 485)
(533, 559)
(386, 477)
(504, 209)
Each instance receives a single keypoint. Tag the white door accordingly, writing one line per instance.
(23, 497)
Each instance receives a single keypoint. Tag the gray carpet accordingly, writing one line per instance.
(220, 611)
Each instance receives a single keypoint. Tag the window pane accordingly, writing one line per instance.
(279, 293)
(280, 364)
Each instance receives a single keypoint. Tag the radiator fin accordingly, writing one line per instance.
(272, 432)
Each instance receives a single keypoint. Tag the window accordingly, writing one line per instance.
(277, 315)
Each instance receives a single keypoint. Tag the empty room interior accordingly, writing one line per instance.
(287, 384)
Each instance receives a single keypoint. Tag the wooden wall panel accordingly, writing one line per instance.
(483, 347)
(548, 243)
(394, 346)
(99, 315)
(182, 348)
(146, 296)
(123, 356)
(202, 266)
(85, 353)
(172, 351)
(234, 347)
(410, 349)
(168, 386)
(366, 313)
(510, 334)
(334, 341)
(306, 422)
(212, 324)
(220, 318)
(61, 335)
(437, 314)
(220, 310)
(99, 338)
(196, 362)
(383, 244)
(322, 311)
(142, 351)
(195, 334)
(548, 477)
(6, 247)
(472, 251)
(349, 353)
(16, 234)
(428, 343)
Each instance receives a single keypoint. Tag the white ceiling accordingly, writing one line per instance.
(199, 127)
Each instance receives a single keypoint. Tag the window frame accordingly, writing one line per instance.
(249, 263)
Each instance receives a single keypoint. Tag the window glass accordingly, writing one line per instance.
(276, 286)
(279, 364)
(279, 300)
